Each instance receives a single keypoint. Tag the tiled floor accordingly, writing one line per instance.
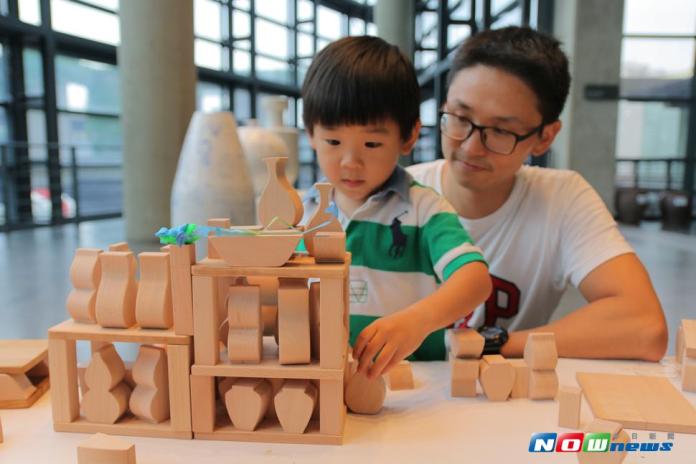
(35, 265)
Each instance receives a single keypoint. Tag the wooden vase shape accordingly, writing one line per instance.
(247, 401)
(273, 107)
(153, 306)
(106, 397)
(320, 216)
(85, 275)
(117, 290)
(279, 199)
(150, 398)
(212, 178)
(294, 404)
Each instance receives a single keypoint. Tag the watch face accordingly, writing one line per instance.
(495, 337)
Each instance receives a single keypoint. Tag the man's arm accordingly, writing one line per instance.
(623, 319)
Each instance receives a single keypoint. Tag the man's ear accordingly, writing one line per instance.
(548, 135)
(408, 145)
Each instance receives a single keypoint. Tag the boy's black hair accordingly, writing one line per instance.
(361, 80)
(532, 56)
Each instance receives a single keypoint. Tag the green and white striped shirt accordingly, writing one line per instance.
(397, 264)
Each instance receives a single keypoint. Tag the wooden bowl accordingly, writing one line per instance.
(264, 250)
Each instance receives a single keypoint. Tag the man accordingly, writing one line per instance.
(539, 229)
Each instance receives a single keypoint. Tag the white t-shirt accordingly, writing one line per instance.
(553, 230)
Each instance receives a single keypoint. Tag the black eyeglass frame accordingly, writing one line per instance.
(474, 126)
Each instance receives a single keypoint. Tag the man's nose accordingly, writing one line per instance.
(473, 145)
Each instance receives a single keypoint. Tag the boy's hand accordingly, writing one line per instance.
(394, 337)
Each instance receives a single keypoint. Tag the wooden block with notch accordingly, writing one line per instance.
(105, 449)
(569, 401)
(23, 372)
(115, 305)
(153, 305)
(330, 247)
(293, 322)
(245, 334)
(497, 377)
(465, 374)
(85, 275)
(465, 343)
(401, 376)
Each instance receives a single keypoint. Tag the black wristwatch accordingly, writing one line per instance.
(495, 338)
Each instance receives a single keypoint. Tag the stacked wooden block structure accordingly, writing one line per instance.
(686, 354)
(248, 344)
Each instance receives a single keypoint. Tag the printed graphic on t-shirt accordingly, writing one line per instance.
(358, 291)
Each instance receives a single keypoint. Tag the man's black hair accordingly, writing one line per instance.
(533, 57)
(358, 81)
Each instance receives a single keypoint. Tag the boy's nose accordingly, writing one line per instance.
(351, 160)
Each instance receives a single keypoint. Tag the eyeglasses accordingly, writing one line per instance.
(496, 140)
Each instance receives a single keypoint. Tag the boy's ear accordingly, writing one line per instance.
(310, 138)
(407, 145)
(548, 135)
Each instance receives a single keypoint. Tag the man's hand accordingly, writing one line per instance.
(390, 338)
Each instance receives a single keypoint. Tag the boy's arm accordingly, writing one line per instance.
(623, 319)
(398, 335)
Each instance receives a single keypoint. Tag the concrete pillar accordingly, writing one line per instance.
(591, 32)
(158, 92)
(395, 20)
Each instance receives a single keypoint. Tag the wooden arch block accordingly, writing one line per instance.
(105, 449)
(117, 292)
(294, 404)
(150, 398)
(497, 377)
(247, 401)
(540, 351)
(85, 275)
(153, 305)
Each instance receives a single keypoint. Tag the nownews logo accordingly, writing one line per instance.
(575, 442)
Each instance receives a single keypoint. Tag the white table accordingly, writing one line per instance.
(424, 425)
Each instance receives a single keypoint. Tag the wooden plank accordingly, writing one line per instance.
(41, 388)
(71, 330)
(332, 410)
(18, 356)
(638, 402)
(333, 338)
(268, 369)
(62, 359)
(206, 321)
(202, 403)
(179, 365)
(182, 258)
(689, 329)
(129, 426)
(298, 267)
(270, 431)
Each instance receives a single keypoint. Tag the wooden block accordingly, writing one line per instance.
(689, 374)
(269, 316)
(120, 246)
(225, 223)
(332, 410)
(276, 385)
(365, 396)
(20, 356)
(569, 400)
(62, 358)
(540, 351)
(401, 376)
(2, 437)
(334, 334)
(293, 322)
(245, 333)
(269, 289)
(618, 435)
(149, 400)
(181, 260)
(314, 319)
(224, 384)
(179, 367)
(497, 377)
(321, 216)
(153, 305)
(202, 403)
(278, 198)
(206, 326)
(689, 329)
(115, 305)
(465, 373)
(15, 387)
(330, 247)
(466, 343)
(679, 345)
(105, 449)
(294, 404)
(543, 385)
(107, 396)
(521, 387)
(85, 275)
(247, 401)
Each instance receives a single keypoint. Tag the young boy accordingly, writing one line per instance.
(414, 268)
